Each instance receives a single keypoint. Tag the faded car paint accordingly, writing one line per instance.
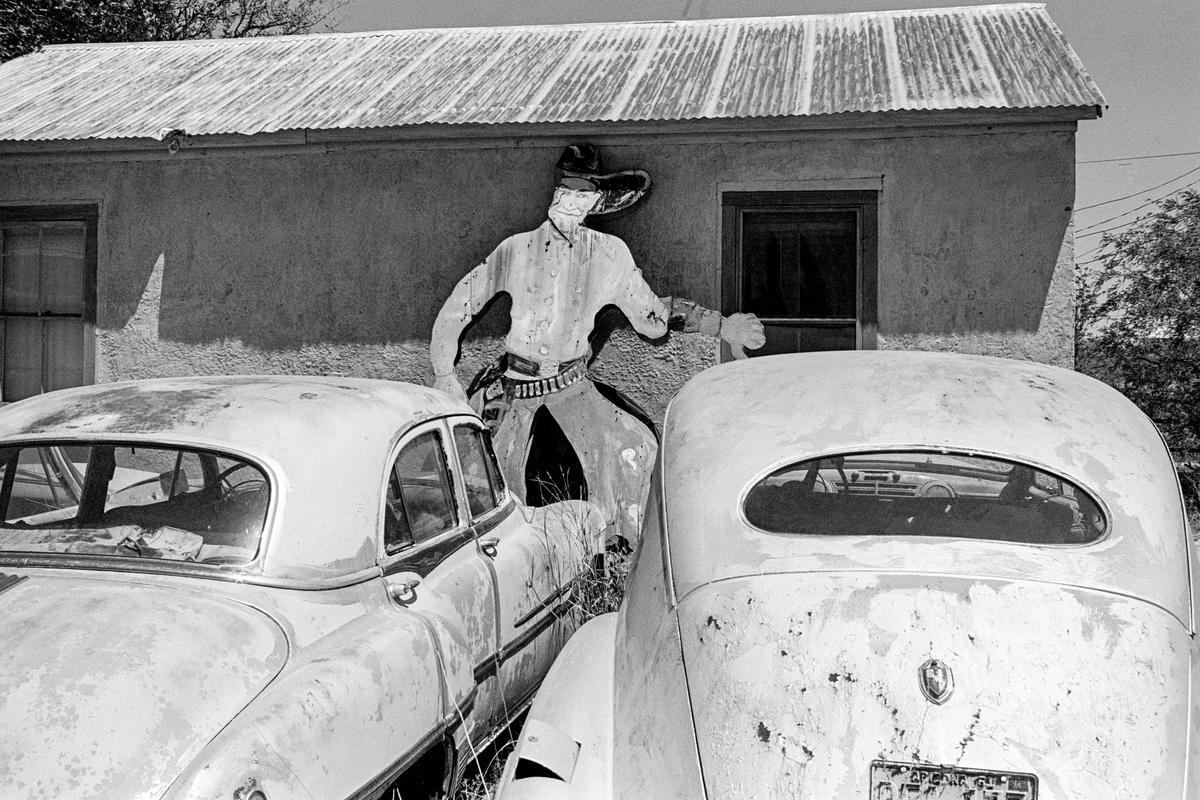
(343, 713)
(651, 695)
(1033, 665)
(577, 762)
(536, 568)
(752, 664)
(806, 407)
(135, 677)
(120, 682)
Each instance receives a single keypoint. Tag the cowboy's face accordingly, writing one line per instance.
(573, 204)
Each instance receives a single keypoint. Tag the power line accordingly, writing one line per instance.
(1132, 210)
(1138, 158)
(1105, 230)
(1140, 191)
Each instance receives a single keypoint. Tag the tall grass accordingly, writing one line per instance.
(597, 585)
(484, 773)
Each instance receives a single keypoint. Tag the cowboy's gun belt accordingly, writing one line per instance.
(570, 374)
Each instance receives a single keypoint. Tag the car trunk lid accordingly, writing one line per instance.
(113, 686)
(799, 682)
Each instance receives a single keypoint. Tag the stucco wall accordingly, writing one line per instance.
(335, 260)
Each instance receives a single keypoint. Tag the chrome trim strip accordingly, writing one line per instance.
(423, 557)
(178, 569)
(493, 518)
(529, 634)
(550, 600)
(487, 668)
(463, 706)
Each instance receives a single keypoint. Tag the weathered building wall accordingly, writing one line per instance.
(335, 260)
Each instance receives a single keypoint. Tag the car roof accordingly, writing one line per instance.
(326, 439)
(733, 424)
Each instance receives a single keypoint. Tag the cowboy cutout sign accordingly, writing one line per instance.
(558, 433)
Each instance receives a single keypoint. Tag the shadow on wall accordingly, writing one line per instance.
(282, 254)
(649, 372)
(143, 348)
(347, 280)
(361, 266)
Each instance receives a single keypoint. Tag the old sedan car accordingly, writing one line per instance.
(237, 588)
(803, 620)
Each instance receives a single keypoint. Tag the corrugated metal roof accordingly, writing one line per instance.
(998, 56)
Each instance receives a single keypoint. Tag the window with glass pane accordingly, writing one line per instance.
(420, 502)
(480, 472)
(43, 482)
(47, 264)
(804, 263)
(132, 501)
(924, 494)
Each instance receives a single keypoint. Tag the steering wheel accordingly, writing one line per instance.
(256, 483)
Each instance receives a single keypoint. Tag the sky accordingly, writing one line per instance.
(1144, 55)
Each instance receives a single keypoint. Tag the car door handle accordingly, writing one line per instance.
(404, 586)
(488, 544)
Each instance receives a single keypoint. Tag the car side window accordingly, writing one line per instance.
(420, 502)
(481, 473)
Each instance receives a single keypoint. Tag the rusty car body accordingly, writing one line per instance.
(262, 588)
(805, 620)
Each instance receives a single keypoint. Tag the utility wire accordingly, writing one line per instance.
(1105, 230)
(1140, 191)
(1081, 233)
(1138, 158)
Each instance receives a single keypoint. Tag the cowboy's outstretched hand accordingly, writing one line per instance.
(742, 330)
(450, 385)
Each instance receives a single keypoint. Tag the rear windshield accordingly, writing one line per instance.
(924, 494)
(132, 501)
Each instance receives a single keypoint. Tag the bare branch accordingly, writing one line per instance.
(26, 26)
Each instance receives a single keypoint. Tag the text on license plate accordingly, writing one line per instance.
(892, 780)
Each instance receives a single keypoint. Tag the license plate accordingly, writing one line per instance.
(891, 780)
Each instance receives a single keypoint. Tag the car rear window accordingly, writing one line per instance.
(131, 500)
(924, 494)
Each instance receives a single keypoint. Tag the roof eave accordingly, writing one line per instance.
(182, 143)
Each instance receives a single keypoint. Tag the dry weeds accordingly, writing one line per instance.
(598, 585)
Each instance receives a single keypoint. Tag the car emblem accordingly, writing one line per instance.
(937, 681)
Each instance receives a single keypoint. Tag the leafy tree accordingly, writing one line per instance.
(1138, 316)
(26, 25)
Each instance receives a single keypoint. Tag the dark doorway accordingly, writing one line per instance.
(552, 471)
(806, 264)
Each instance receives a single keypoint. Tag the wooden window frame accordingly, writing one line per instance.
(865, 203)
(89, 215)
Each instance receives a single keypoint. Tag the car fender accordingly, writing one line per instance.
(234, 766)
(566, 743)
(342, 723)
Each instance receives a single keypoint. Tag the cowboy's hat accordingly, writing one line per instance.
(579, 168)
